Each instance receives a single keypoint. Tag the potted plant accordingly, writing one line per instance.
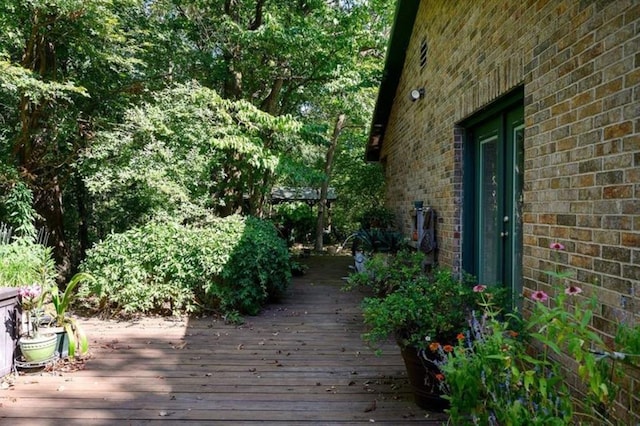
(71, 337)
(416, 309)
(35, 346)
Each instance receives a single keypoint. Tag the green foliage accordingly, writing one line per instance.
(418, 308)
(17, 79)
(498, 373)
(183, 152)
(232, 264)
(384, 273)
(499, 376)
(23, 262)
(298, 269)
(376, 240)
(16, 209)
(296, 221)
(627, 341)
(61, 301)
(75, 77)
(377, 217)
(65, 66)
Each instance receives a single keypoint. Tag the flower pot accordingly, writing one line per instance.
(423, 376)
(39, 348)
(62, 341)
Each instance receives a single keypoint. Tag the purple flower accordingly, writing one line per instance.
(539, 296)
(572, 290)
(479, 288)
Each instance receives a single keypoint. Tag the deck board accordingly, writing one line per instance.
(300, 361)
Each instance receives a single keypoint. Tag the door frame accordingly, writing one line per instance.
(498, 110)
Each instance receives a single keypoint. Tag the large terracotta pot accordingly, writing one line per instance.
(422, 373)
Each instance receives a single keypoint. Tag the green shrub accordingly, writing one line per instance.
(24, 262)
(16, 203)
(296, 221)
(233, 264)
(377, 217)
(423, 309)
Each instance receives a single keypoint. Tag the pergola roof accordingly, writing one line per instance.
(286, 194)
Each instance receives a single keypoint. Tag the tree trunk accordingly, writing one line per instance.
(48, 203)
(83, 217)
(270, 103)
(34, 146)
(324, 189)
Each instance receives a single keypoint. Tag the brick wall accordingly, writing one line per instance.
(579, 63)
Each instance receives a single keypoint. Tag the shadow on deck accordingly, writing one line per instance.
(301, 361)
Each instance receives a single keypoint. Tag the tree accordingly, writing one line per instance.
(72, 71)
(328, 168)
(184, 154)
(57, 59)
(278, 55)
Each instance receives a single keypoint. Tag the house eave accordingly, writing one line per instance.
(404, 19)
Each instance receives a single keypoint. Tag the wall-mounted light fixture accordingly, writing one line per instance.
(416, 94)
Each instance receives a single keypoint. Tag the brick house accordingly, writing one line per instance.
(519, 123)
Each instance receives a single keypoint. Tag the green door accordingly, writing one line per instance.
(493, 194)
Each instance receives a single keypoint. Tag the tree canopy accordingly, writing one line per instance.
(116, 112)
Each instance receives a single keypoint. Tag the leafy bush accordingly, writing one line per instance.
(16, 206)
(409, 305)
(524, 376)
(296, 221)
(376, 240)
(184, 152)
(233, 264)
(425, 308)
(24, 262)
(384, 274)
(377, 217)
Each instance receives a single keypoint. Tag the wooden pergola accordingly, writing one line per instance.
(307, 195)
(311, 196)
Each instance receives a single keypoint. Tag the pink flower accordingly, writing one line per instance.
(30, 292)
(556, 246)
(29, 296)
(539, 296)
(572, 290)
(479, 288)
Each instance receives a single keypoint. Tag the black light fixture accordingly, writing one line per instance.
(416, 94)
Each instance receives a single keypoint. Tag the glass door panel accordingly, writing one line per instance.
(488, 211)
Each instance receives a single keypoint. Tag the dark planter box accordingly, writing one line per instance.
(8, 338)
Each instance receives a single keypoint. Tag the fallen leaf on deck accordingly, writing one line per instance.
(371, 407)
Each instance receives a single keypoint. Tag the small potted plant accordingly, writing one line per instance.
(35, 346)
(416, 309)
(71, 337)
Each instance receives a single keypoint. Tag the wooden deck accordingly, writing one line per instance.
(298, 362)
